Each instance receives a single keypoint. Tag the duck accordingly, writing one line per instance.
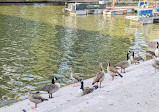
(157, 51)
(99, 76)
(86, 90)
(112, 71)
(35, 98)
(155, 63)
(50, 88)
(124, 64)
(75, 78)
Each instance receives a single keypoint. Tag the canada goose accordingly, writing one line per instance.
(134, 59)
(75, 78)
(124, 64)
(100, 76)
(112, 71)
(50, 88)
(149, 55)
(157, 51)
(86, 90)
(155, 63)
(139, 57)
(35, 98)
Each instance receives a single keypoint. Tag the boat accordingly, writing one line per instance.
(114, 12)
(84, 8)
(145, 16)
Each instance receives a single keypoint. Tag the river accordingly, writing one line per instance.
(39, 41)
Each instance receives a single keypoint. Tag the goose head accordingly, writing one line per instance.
(132, 56)
(53, 80)
(108, 63)
(129, 51)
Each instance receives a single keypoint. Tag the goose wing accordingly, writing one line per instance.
(87, 90)
(157, 62)
(38, 97)
(121, 64)
(112, 69)
(138, 58)
(76, 77)
(48, 87)
(98, 76)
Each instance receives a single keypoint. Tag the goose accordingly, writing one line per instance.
(75, 78)
(134, 59)
(149, 55)
(155, 63)
(86, 90)
(100, 76)
(157, 51)
(139, 57)
(35, 98)
(112, 71)
(124, 64)
(50, 88)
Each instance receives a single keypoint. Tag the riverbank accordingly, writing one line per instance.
(137, 91)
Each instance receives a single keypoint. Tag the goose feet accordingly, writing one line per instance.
(50, 96)
(75, 85)
(124, 70)
(35, 106)
(155, 71)
(100, 85)
(112, 78)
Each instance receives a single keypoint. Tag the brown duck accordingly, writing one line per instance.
(100, 76)
(35, 98)
(75, 78)
(112, 71)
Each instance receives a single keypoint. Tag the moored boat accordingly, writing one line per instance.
(84, 8)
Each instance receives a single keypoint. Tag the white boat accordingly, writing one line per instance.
(115, 12)
(84, 8)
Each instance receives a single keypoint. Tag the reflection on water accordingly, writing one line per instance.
(39, 41)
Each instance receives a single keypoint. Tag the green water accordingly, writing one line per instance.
(38, 42)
